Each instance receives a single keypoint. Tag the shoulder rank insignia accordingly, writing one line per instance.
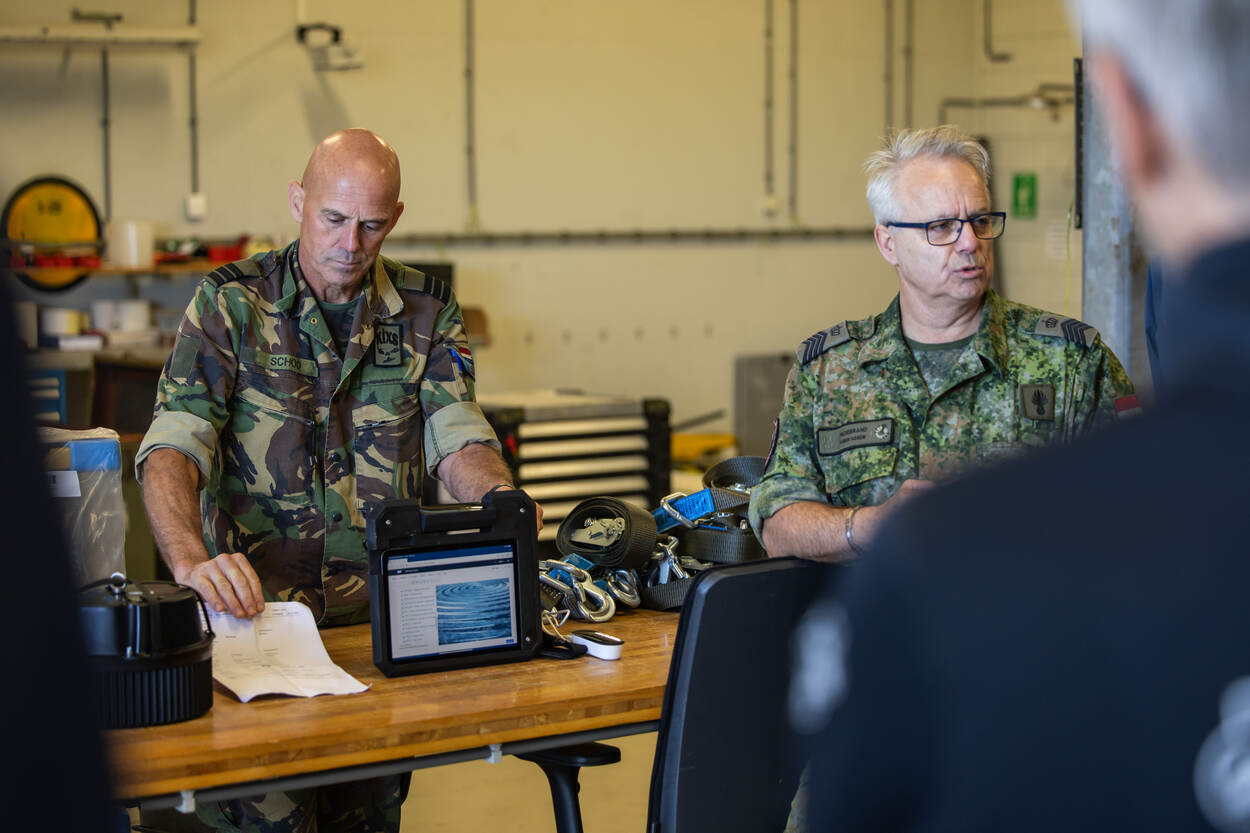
(824, 340)
(236, 271)
(1069, 328)
(414, 280)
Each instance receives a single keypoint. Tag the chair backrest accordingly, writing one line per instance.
(726, 759)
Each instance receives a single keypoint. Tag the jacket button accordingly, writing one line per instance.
(335, 456)
(336, 517)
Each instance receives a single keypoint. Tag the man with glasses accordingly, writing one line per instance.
(948, 376)
(1077, 661)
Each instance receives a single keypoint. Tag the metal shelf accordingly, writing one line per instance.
(175, 37)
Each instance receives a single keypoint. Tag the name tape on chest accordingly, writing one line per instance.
(281, 362)
(830, 441)
(1070, 328)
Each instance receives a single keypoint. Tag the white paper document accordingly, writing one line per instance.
(277, 652)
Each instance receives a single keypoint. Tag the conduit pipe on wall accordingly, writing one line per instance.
(104, 128)
(193, 119)
(794, 112)
(473, 236)
(650, 236)
(909, 60)
(888, 75)
(474, 220)
(1046, 97)
(770, 193)
(988, 27)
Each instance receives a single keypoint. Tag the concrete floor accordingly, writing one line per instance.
(512, 795)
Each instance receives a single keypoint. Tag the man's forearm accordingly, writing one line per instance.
(807, 529)
(817, 531)
(473, 470)
(171, 500)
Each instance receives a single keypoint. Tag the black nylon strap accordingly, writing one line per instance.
(665, 596)
(730, 546)
(631, 551)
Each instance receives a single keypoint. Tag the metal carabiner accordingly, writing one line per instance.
(670, 565)
(595, 605)
(666, 503)
(623, 586)
(587, 601)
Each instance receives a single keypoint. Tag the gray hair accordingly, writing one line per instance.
(1190, 62)
(946, 141)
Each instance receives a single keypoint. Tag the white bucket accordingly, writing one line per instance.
(134, 315)
(59, 321)
(131, 243)
(104, 314)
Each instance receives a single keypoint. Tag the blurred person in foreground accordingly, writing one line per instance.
(1074, 656)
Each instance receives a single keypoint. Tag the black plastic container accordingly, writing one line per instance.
(149, 651)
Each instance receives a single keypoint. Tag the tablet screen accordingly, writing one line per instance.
(451, 600)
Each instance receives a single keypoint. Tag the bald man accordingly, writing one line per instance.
(304, 384)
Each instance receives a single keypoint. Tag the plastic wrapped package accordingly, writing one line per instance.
(85, 478)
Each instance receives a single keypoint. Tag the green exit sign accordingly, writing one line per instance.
(1024, 195)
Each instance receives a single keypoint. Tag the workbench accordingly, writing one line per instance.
(399, 724)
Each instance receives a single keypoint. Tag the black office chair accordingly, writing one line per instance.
(726, 759)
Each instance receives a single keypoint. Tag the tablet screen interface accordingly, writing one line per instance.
(451, 601)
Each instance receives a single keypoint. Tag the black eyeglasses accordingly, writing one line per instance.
(946, 231)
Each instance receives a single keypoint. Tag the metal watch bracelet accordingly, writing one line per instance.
(850, 522)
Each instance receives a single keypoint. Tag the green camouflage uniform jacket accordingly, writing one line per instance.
(290, 440)
(858, 418)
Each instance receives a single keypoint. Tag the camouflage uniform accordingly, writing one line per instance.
(291, 441)
(858, 417)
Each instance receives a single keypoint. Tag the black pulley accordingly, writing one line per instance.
(149, 651)
(609, 533)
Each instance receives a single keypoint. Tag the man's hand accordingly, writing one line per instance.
(226, 582)
(171, 497)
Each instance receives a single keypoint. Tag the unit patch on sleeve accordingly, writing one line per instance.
(830, 441)
(1038, 401)
(387, 349)
(1070, 328)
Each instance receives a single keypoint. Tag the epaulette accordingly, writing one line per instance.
(414, 280)
(236, 271)
(816, 345)
(1073, 330)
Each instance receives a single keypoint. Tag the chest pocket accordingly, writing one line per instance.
(268, 449)
(861, 475)
(387, 440)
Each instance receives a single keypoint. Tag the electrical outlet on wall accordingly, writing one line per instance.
(196, 206)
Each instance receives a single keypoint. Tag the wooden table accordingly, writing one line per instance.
(399, 724)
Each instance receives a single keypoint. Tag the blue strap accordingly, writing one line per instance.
(692, 506)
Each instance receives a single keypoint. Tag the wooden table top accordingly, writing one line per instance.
(423, 714)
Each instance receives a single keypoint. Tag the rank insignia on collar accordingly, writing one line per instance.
(1038, 401)
(387, 346)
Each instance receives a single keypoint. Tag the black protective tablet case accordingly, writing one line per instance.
(453, 586)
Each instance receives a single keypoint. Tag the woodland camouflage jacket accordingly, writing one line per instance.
(291, 441)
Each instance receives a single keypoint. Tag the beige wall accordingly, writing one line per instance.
(590, 115)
